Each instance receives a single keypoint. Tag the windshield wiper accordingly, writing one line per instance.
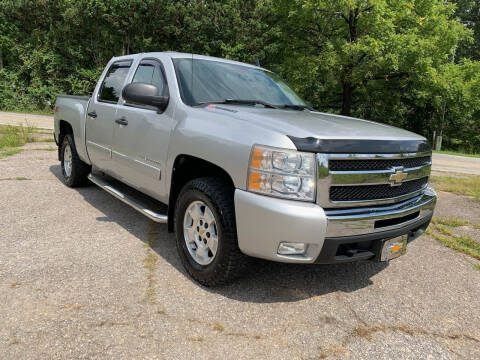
(296, 107)
(240, 102)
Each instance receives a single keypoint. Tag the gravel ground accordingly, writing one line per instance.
(83, 276)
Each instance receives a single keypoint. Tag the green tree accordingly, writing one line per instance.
(410, 63)
(347, 44)
(468, 11)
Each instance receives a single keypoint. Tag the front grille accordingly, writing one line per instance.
(376, 164)
(375, 192)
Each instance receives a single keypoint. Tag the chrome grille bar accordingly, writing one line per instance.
(371, 172)
(366, 192)
(373, 177)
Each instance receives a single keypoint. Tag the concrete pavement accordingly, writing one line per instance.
(84, 276)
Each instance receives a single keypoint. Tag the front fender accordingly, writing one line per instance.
(221, 140)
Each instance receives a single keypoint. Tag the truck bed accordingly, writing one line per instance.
(72, 109)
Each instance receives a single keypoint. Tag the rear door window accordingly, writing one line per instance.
(113, 83)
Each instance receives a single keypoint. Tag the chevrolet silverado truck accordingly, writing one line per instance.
(239, 166)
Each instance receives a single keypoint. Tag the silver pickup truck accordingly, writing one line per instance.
(239, 166)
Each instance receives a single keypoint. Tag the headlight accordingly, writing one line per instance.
(287, 174)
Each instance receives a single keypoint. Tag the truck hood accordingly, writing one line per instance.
(312, 124)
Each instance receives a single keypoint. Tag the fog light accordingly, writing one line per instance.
(288, 248)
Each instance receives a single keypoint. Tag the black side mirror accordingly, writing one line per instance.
(145, 94)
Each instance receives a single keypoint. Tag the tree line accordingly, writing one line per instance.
(409, 63)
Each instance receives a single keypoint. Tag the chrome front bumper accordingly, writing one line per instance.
(264, 222)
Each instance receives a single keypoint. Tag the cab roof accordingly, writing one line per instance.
(179, 55)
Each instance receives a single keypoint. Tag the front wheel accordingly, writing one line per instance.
(206, 232)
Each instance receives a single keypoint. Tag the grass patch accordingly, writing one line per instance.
(150, 261)
(464, 243)
(33, 112)
(47, 140)
(457, 153)
(476, 266)
(150, 295)
(9, 152)
(441, 230)
(366, 332)
(12, 137)
(452, 222)
(218, 327)
(196, 338)
(20, 178)
(444, 230)
(44, 149)
(468, 185)
(238, 334)
(15, 136)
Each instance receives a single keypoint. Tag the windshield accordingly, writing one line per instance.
(215, 81)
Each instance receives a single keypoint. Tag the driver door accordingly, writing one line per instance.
(141, 135)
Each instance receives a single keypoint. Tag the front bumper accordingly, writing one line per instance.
(339, 235)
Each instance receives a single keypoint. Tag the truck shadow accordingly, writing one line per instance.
(263, 282)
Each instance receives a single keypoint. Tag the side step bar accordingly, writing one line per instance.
(137, 205)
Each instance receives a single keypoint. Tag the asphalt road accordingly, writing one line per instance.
(39, 121)
(83, 276)
(456, 164)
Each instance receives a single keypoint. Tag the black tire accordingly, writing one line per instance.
(228, 263)
(79, 170)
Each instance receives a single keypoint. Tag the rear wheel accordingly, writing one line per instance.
(206, 232)
(74, 170)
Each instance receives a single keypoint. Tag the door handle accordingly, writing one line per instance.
(92, 114)
(122, 121)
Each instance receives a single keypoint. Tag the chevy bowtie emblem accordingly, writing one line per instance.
(398, 177)
(395, 248)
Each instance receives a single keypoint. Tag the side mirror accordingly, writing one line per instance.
(145, 94)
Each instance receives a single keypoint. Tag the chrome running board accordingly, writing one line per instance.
(129, 200)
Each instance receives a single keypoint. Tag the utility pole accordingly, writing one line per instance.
(438, 146)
